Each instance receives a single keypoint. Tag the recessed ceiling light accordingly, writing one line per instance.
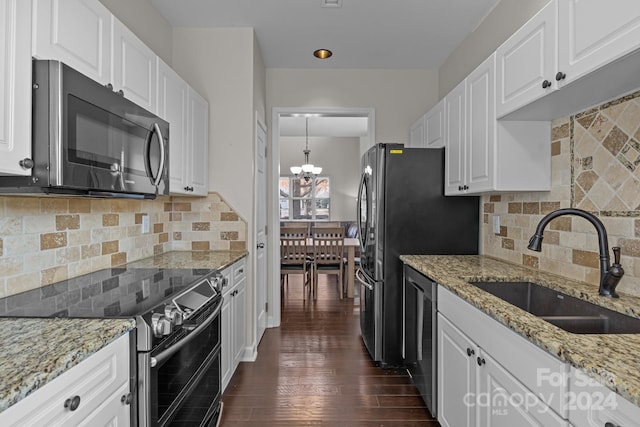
(331, 3)
(322, 53)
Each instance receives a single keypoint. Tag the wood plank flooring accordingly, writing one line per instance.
(314, 370)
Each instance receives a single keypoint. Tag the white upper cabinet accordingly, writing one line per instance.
(572, 55)
(76, 32)
(593, 33)
(434, 126)
(454, 134)
(483, 154)
(428, 130)
(133, 67)
(172, 106)
(197, 174)
(417, 133)
(480, 139)
(15, 86)
(527, 62)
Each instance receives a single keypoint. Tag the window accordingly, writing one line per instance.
(302, 199)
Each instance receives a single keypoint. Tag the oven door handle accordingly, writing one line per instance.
(180, 344)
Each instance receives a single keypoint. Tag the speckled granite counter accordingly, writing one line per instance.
(612, 360)
(35, 351)
(186, 259)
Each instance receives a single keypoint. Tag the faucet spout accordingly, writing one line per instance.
(610, 275)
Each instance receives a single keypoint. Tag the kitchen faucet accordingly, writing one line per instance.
(610, 275)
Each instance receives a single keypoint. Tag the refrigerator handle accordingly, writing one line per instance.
(359, 212)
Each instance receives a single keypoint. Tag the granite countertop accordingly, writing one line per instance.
(612, 360)
(216, 260)
(35, 351)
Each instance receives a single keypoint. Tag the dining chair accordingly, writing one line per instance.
(328, 249)
(294, 256)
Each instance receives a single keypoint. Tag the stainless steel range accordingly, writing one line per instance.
(177, 312)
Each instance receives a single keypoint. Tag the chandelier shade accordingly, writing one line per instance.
(307, 170)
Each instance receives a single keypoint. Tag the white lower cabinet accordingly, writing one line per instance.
(97, 388)
(593, 405)
(233, 319)
(490, 376)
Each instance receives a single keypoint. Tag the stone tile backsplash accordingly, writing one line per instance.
(45, 240)
(595, 166)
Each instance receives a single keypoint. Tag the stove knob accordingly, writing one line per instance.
(161, 325)
(171, 312)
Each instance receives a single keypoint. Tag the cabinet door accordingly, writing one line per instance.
(417, 133)
(594, 33)
(505, 402)
(76, 32)
(454, 134)
(134, 67)
(112, 413)
(94, 380)
(226, 340)
(481, 127)
(456, 376)
(239, 314)
(526, 61)
(172, 106)
(434, 126)
(15, 86)
(593, 405)
(198, 135)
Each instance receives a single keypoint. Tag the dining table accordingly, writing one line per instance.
(350, 245)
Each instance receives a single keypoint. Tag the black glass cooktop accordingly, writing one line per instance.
(112, 292)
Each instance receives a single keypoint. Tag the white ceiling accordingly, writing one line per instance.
(392, 34)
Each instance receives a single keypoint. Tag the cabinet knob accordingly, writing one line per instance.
(460, 188)
(470, 352)
(609, 424)
(26, 163)
(73, 403)
(560, 76)
(121, 92)
(480, 361)
(546, 84)
(465, 187)
(127, 398)
(260, 245)
(109, 86)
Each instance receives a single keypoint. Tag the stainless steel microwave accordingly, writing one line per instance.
(89, 140)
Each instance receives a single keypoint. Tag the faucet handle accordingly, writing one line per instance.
(616, 255)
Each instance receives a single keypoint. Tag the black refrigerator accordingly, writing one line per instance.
(402, 210)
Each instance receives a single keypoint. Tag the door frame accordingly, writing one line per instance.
(273, 214)
(260, 123)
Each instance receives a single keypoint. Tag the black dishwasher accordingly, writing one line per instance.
(420, 334)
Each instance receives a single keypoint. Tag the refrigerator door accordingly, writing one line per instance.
(370, 313)
(367, 211)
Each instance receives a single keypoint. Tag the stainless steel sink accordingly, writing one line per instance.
(566, 312)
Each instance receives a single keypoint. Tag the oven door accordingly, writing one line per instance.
(182, 386)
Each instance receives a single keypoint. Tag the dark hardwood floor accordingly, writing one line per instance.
(315, 371)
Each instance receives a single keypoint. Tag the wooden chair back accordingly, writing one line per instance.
(293, 246)
(328, 245)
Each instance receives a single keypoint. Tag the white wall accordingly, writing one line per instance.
(146, 22)
(219, 64)
(504, 20)
(398, 96)
(340, 161)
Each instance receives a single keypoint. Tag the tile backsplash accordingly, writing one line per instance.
(595, 166)
(45, 239)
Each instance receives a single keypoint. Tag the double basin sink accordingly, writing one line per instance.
(564, 311)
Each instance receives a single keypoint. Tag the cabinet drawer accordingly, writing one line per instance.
(95, 380)
(593, 405)
(536, 369)
(239, 270)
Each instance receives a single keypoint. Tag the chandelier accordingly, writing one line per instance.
(307, 170)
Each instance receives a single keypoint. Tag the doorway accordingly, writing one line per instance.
(292, 121)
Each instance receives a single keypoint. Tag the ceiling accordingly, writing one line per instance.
(383, 34)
